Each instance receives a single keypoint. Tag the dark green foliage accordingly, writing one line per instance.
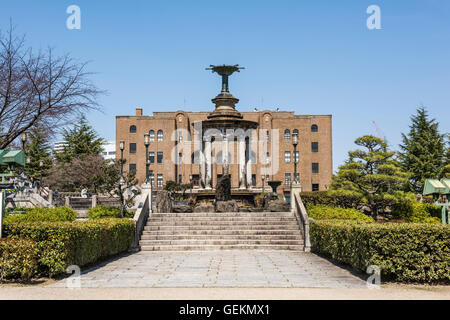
(81, 140)
(100, 212)
(339, 198)
(44, 214)
(61, 244)
(18, 259)
(424, 152)
(373, 173)
(37, 149)
(414, 211)
(323, 212)
(405, 252)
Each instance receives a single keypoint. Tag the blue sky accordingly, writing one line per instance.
(312, 57)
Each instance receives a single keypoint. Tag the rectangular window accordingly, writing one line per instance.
(315, 167)
(151, 157)
(159, 157)
(296, 157)
(253, 179)
(159, 180)
(267, 158)
(314, 147)
(267, 136)
(152, 177)
(195, 179)
(132, 167)
(180, 158)
(180, 179)
(315, 187)
(132, 147)
(287, 156)
(287, 179)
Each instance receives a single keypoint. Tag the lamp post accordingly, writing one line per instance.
(262, 179)
(147, 160)
(122, 147)
(295, 143)
(23, 136)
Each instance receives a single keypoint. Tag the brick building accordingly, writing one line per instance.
(188, 146)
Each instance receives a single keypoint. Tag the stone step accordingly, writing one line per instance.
(221, 247)
(221, 232)
(218, 242)
(222, 227)
(173, 237)
(224, 214)
(219, 223)
(218, 219)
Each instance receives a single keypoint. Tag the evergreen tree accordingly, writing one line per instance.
(423, 151)
(37, 149)
(80, 140)
(372, 174)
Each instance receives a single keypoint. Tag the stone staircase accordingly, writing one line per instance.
(221, 231)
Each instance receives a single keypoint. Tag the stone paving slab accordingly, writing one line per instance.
(282, 269)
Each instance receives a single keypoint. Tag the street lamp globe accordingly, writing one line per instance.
(295, 139)
(146, 139)
(122, 145)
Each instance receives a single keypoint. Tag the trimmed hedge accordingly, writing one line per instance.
(44, 214)
(101, 212)
(61, 244)
(18, 259)
(343, 199)
(414, 211)
(404, 252)
(323, 212)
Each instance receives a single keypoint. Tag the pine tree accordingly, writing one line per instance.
(371, 173)
(38, 152)
(423, 151)
(80, 140)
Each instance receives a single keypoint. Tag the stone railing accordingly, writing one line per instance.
(143, 212)
(301, 214)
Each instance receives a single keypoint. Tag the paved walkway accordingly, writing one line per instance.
(283, 269)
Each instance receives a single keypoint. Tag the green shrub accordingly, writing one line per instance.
(44, 214)
(323, 212)
(335, 198)
(18, 259)
(414, 211)
(404, 252)
(61, 244)
(102, 211)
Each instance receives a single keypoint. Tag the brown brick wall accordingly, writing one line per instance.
(168, 122)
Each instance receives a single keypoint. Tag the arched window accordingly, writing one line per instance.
(314, 128)
(152, 135)
(295, 131)
(133, 129)
(160, 135)
(287, 135)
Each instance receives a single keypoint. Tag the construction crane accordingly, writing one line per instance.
(378, 131)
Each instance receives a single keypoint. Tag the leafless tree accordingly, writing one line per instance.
(38, 88)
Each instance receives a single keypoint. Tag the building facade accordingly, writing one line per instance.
(190, 146)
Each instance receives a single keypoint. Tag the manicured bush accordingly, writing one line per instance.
(414, 211)
(101, 211)
(323, 212)
(18, 259)
(405, 252)
(337, 198)
(44, 214)
(61, 244)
